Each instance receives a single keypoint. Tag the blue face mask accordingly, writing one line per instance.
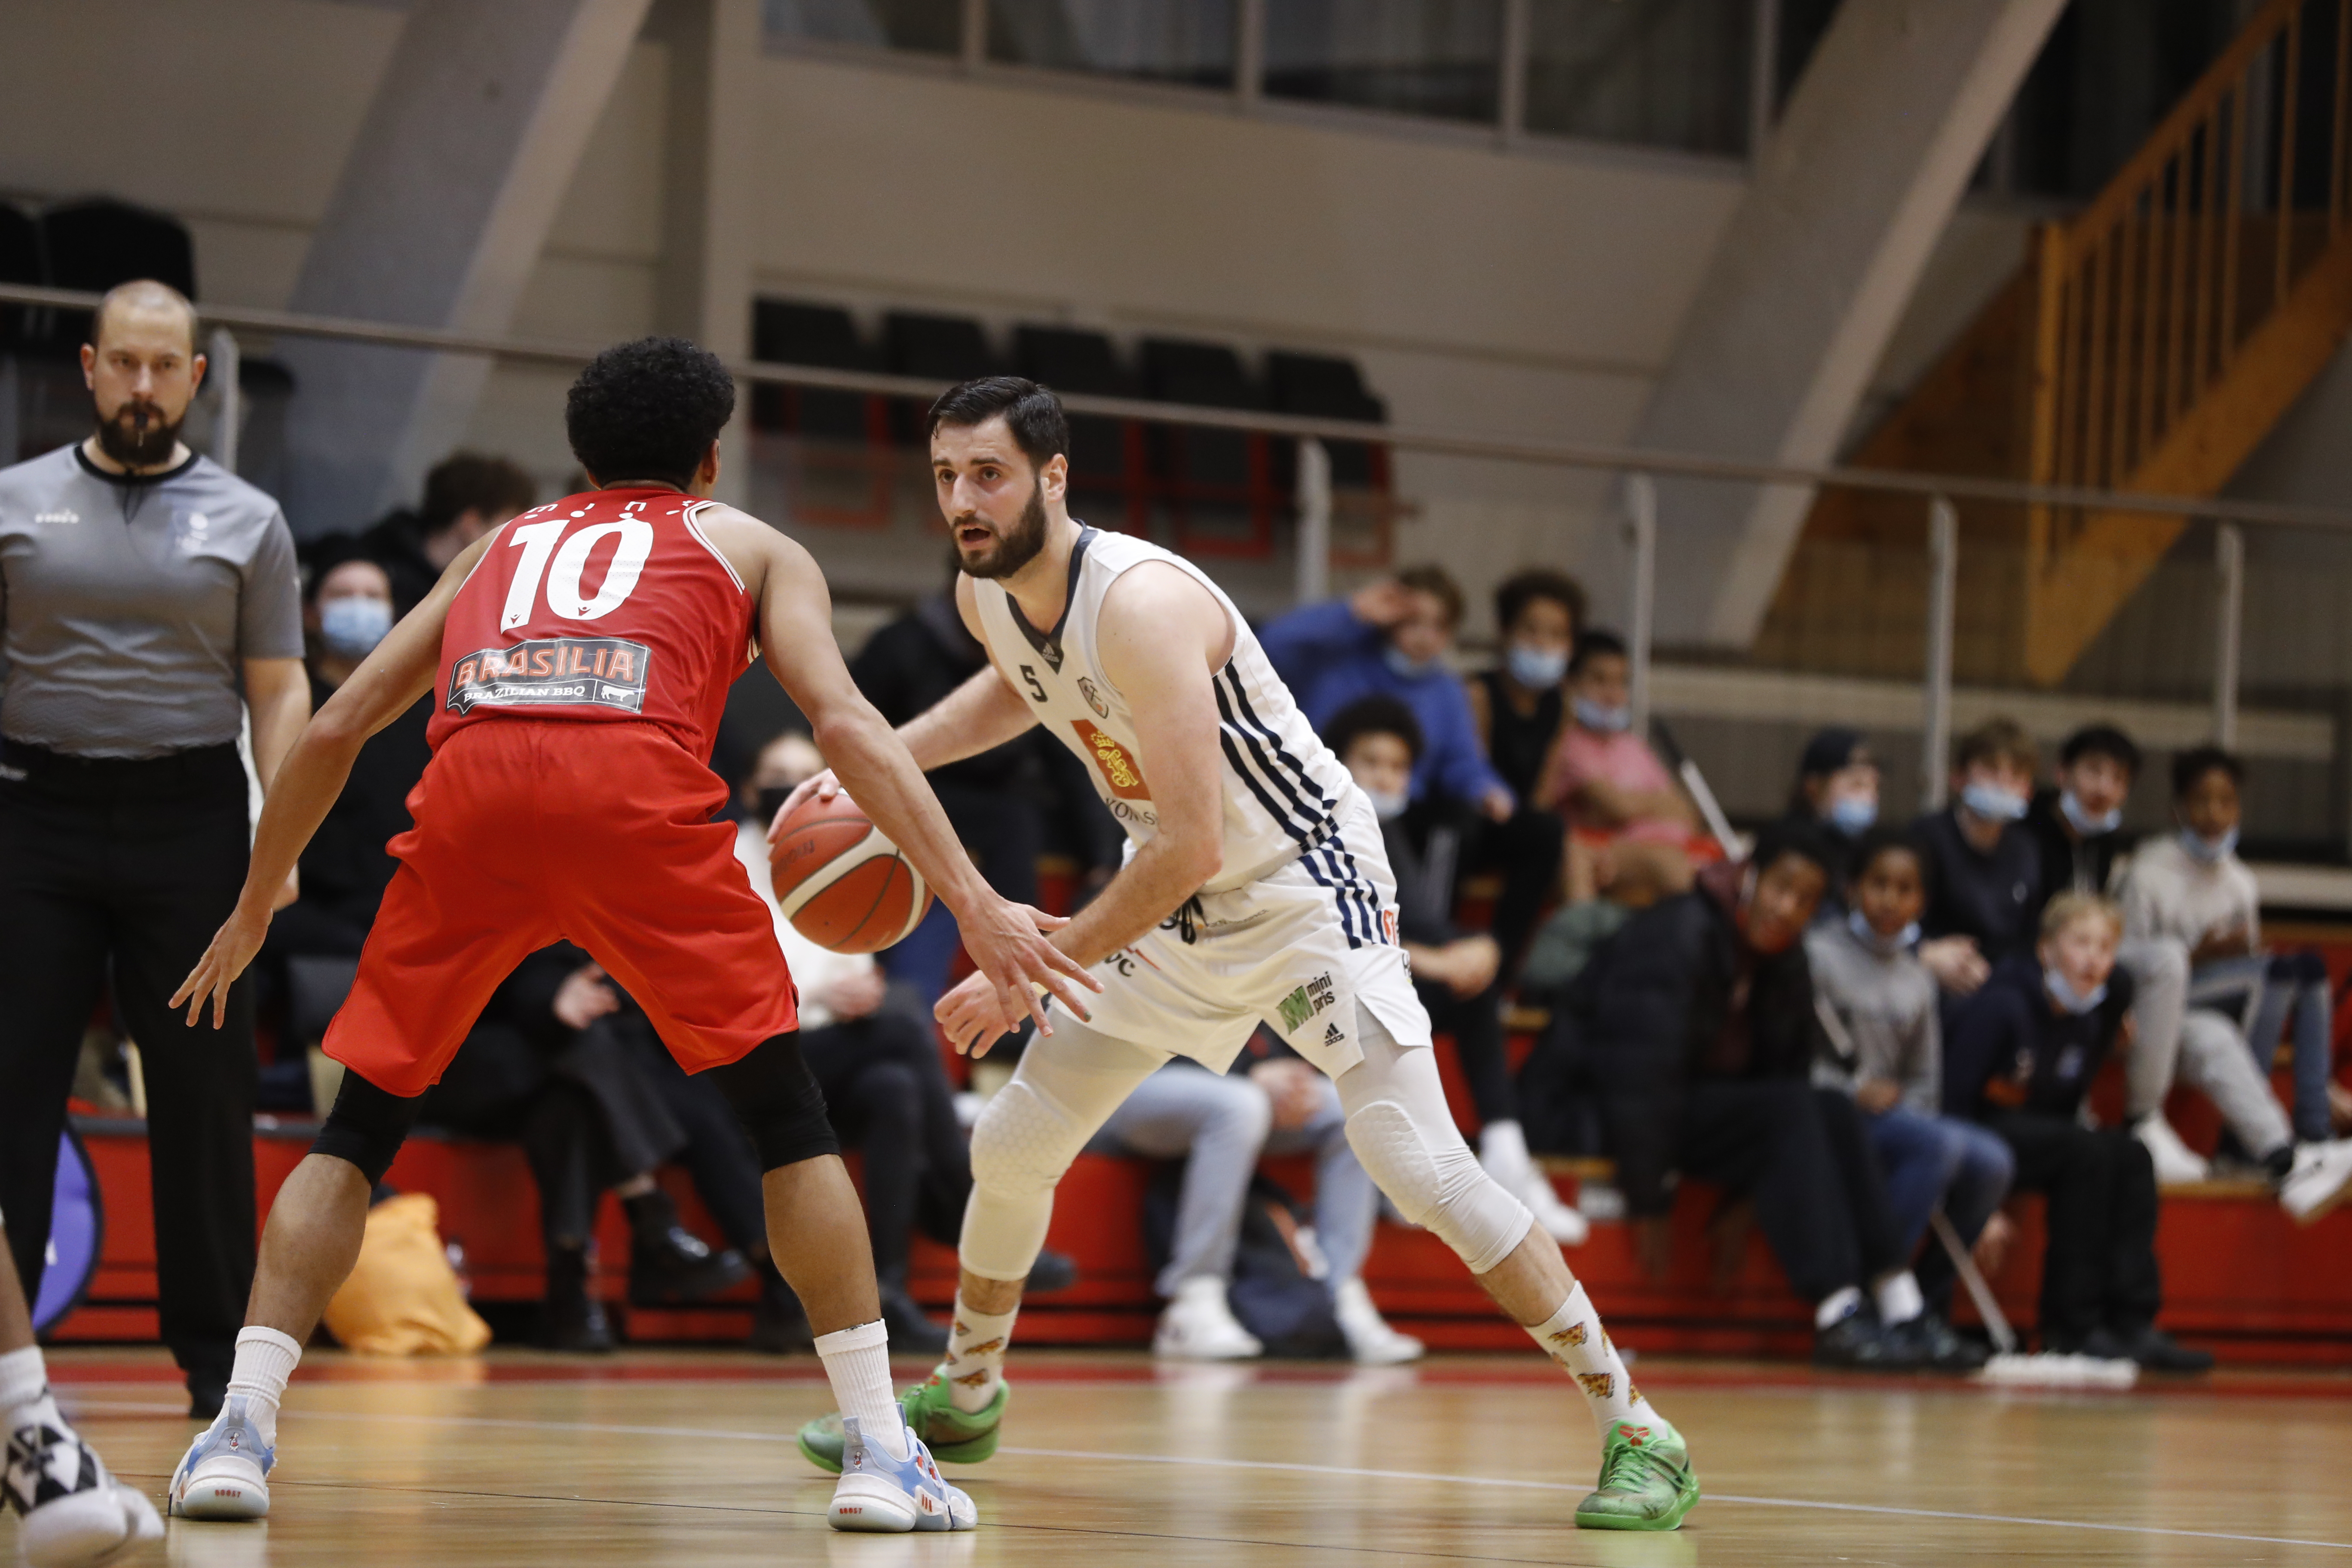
(1536, 668)
(2084, 823)
(2208, 850)
(2066, 996)
(1410, 669)
(1853, 814)
(1993, 802)
(1594, 716)
(352, 625)
(1885, 946)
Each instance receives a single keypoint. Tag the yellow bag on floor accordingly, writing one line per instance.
(403, 1297)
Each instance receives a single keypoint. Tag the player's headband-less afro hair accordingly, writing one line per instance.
(649, 410)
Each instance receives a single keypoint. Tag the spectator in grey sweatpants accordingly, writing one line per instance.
(1219, 1124)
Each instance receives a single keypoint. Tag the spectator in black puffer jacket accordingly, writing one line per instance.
(1697, 1023)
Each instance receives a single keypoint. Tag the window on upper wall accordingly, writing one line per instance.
(1437, 57)
(924, 26)
(1663, 73)
(1189, 41)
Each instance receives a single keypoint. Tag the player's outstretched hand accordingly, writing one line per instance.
(823, 786)
(1008, 946)
(232, 948)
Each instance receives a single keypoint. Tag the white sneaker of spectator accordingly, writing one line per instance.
(1503, 1151)
(2318, 1179)
(2175, 1161)
(1198, 1325)
(1370, 1340)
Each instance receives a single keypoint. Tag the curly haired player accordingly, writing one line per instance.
(579, 660)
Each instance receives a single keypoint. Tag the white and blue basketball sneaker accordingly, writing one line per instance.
(76, 1514)
(890, 1496)
(223, 1476)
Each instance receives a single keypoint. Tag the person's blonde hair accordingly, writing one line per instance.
(2068, 908)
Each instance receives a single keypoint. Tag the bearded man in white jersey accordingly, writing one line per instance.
(1257, 889)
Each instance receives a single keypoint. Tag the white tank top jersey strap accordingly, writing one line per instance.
(1306, 885)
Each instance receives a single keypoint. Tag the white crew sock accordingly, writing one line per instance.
(264, 1360)
(1837, 1306)
(975, 1364)
(858, 1362)
(1898, 1296)
(1574, 1338)
(25, 1391)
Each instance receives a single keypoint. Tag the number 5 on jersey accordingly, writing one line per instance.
(562, 569)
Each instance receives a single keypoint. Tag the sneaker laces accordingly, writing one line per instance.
(1629, 1470)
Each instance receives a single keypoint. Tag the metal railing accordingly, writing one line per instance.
(1638, 466)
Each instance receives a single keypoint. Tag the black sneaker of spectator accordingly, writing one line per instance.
(1939, 1347)
(679, 1266)
(570, 1318)
(780, 1326)
(1858, 1339)
(1052, 1271)
(2156, 1351)
(911, 1329)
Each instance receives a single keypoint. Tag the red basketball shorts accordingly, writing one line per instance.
(531, 832)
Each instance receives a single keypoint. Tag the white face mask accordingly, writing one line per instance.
(2208, 850)
(351, 625)
(1992, 803)
(1885, 946)
(1389, 804)
(1609, 721)
(2084, 823)
(2063, 993)
(1536, 668)
(1408, 667)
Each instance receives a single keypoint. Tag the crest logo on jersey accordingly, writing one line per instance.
(606, 672)
(1118, 770)
(1094, 698)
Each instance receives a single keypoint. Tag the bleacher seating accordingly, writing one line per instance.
(20, 262)
(844, 435)
(1109, 479)
(94, 245)
(1220, 484)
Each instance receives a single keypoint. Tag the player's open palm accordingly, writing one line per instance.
(232, 948)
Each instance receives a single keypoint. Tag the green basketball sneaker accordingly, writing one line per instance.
(1646, 1482)
(954, 1437)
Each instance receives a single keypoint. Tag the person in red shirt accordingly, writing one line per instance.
(579, 660)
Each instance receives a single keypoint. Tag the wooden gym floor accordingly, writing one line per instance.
(679, 1457)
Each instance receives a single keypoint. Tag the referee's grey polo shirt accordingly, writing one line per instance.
(127, 606)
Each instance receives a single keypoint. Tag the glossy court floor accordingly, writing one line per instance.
(687, 1458)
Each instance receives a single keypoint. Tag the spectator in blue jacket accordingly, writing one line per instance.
(1391, 638)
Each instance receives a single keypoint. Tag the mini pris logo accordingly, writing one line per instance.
(607, 672)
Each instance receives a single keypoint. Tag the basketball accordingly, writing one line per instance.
(842, 884)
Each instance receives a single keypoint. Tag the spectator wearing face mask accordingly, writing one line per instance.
(2021, 1056)
(1984, 870)
(1455, 973)
(1837, 792)
(1607, 781)
(2193, 888)
(1519, 707)
(465, 496)
(1391, 638)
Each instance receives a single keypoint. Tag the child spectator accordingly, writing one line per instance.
(1700, 1025)
(1456, 973)
(2022, 1055)
(1886, 1050)
(1518, 707)
(1605, 779)
(1837, 785)
(2193, 889)
(1984, 872)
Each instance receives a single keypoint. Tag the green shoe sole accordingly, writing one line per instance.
(1670, 1521)
(972, 1451)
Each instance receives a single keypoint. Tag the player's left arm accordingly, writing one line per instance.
(304, 789)
(1161, 637)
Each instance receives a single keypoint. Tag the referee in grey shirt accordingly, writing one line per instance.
(150, 597)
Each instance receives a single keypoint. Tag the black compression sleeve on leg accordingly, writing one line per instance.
(777, 1099)
(367, 1126)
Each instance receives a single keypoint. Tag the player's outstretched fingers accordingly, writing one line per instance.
(822, 785)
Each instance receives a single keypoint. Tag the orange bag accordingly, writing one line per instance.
(402, 1298)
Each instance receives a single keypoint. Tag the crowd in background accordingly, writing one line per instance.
(1864, 1037)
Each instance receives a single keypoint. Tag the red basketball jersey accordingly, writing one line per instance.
(602, 606)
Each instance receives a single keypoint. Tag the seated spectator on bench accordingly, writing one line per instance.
(1518, 708)
(1220, 1124)
(2192, 888)
(554, 1063)
(2022, 1055)
(1699, 1023)
(1885, 1050)
(1457, 974)
(465, 496)
(1607, 781)
(1984, 872)
(1837, 792)
(1554, 1108)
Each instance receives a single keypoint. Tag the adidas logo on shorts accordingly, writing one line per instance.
(1333, 1037)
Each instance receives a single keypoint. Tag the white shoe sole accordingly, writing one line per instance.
(87, 1529)
(222, 1491)
(868, 1505)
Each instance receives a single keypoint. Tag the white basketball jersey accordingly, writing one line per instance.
(1283, 787)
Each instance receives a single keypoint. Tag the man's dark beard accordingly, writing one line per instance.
(1014, 550)
(135, 442)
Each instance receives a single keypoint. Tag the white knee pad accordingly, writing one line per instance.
(1438, 1185)
(1022, 1143)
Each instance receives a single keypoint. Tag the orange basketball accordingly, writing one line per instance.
(841, 883)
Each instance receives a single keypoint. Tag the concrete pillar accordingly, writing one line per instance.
(437, 220)
(1871, 155)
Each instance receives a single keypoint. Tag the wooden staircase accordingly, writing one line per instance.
(2148, 344)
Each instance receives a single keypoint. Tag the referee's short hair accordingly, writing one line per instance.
(1031, 411)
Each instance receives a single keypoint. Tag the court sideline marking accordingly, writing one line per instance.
(620, 1430)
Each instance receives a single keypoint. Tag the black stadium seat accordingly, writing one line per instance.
(1219, 483)
(937, 348)
(794, 331)
(20, 262)
(1108, 477)
(1328, 387)
(95, 245)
